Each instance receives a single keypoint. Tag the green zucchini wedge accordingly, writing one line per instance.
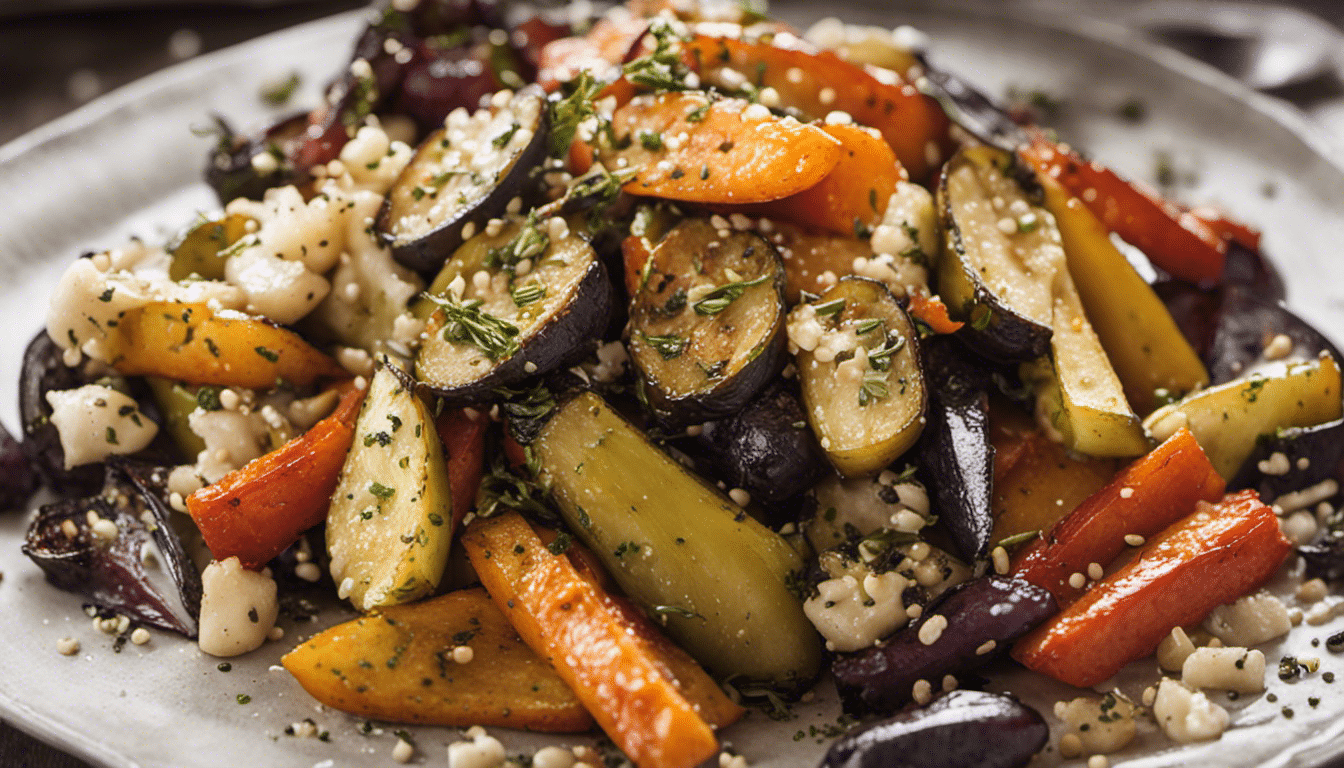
(202, 250)
(716, 579)
(390, 522)
(1229, 419)
(461, 176)
(858, 364)
(999, 264)
(510, 305)
(707, 323)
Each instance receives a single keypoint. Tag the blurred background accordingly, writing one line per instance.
(56, 55)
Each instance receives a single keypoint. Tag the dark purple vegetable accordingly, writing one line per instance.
(880, 679)
(1322, 446)
(1254, 271)
(44, 370)
(954, 455)
(962, 728)
(17, 478)
(766, 448)
(1324, 557)
(230, 170)
(112, 571)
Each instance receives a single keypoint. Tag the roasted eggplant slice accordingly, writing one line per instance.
(716, 578)
(766, 448)
(998, 262)
(881, 679)
(17, 478)
(987, 730)
(954, 455)
(707, 323)
(110, 548)
(463, 175)
(508, 306)
(858, 363)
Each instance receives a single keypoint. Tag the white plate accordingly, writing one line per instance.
(127, 164)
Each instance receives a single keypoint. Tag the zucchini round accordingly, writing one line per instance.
(858, 363)
(998, 263)
(495, 319)
(707, 322)
(461, 176)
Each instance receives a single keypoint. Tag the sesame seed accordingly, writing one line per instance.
(1000, 557)
(1098, 761)
(1095, 571)
(985, 648)
(463, 654)
(949, 683)
(826, 96)
(931, 630)
(1126, 492)
(740, 497)
(67, 646)
(1070, 745)
(1077, 580)
(1134, 540)
(140, 636)
(403, 751)
(921, 692)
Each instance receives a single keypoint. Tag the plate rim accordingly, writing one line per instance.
(1040, 13)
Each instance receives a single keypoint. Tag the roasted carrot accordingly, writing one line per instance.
(257, 511)
(818, 82)
(1175, 240)
(930, 310)
(464, 443)
(608, 653)
(398, 665)
(1213, 556)
(599, 51)
(193, 343)
(1143, 499)
(727, 151)
(851, 198)
(814, 260)
(635, 254)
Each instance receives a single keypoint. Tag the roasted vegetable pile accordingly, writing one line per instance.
(628, 373)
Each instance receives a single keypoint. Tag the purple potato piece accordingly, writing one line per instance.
(879, 680)
(18, 480)
(766, 448)
(954, 455)
(111, 572)
(961, 728)
(1253, 271)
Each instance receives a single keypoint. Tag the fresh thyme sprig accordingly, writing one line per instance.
(466, 322)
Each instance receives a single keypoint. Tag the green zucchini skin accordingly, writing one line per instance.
(716, 362)
(711, 575)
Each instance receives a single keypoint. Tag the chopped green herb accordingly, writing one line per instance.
(830, 308)
(669, 346)
(465, 322)
(527, 294)
(504, 138)
(874, 388)
(717, 300)
(208, 399)
(271, 356)
(650, 140)
(698, 114)
(381, 491)
(278, 93)
(243, 698)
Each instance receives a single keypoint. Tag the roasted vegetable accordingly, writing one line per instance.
(463, 436)
(194, 343)
(1314, 454)
(987, 730)
(636, 685)
(818, 82)
(198, 251)
(1213, 556)
(391, 516)
(399, 664)
(863, 389)
(232, 172)
(176, 402)
(815, 258)
(461, 176)
(979, 616)
(1141, 339)
(44, 370)
(954, 454)
(707, 324)
(17, 478)
(715, 576)
(1228, 419)
(97, 547)
(725, 153)
(508, 306)
(1143, 499)
(256, 512)
(766, 448)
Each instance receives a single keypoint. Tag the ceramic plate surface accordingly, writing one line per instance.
(128, 164)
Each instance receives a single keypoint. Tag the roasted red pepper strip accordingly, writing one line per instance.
(257, 511)
(1144, 498)
(931, 311)
(1212, 557)
(1175, 240)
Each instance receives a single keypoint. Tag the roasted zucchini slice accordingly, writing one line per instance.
(713, 576)
(461, 176)
(858, 363)
(508, 306)
(1229, 419)
(390, 521)
(999, 264)
(201, 250)
(707, 323)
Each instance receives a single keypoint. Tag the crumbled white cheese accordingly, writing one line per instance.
(1251, 620)
(853, 614)
(483, 751)
(865, 505)
(1186, 716)
(1174, 649)
(238, 608)
(553, 757)
(1102, 726)
(1225, 669)
(95, 422)
(232, 438)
